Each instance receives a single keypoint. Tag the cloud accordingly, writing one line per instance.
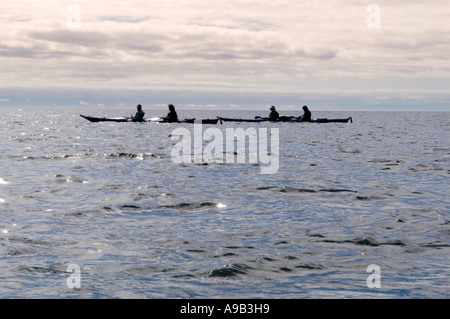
(244, 45)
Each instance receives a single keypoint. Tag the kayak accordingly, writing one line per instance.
(104, 119)
(287, 119)
(155, 120)
(221, 119)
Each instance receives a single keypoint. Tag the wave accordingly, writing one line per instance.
(368, 198)
(41, 270)
(44, 157)
(289, 189)
(69, 179)
(190, 206)
(137, 208)
(33, 242)
(366, 241)
(18, 252)
(310, 266)
(140, 156)
(232, 270)
(123, 155)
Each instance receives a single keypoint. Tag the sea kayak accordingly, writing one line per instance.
(155, 120)
(288, 120)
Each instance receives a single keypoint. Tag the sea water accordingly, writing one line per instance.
(108, 201)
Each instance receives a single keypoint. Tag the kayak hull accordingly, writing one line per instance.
(287, 120)
(221, 119)
(202, 121)
(124, 119)
(104, 119)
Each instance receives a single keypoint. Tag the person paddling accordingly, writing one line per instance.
(172, 115)
(273, 114)
(139, 117)
(307, 115)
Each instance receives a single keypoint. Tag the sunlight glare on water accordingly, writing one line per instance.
(109, 198)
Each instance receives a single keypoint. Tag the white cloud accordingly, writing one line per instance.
(222, 45)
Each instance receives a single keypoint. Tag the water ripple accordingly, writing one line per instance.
(110, 199)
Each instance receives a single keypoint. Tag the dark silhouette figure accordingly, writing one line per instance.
(172, 115)
(139, 117)
(273, 114)
(306, 115)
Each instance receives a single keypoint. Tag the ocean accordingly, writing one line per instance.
(102, 210)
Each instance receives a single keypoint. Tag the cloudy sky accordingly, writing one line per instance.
(330, 54)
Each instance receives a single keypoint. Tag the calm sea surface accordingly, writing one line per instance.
(108, 198)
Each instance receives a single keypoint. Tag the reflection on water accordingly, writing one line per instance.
(108, 197)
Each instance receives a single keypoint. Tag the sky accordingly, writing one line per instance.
(234, 54)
